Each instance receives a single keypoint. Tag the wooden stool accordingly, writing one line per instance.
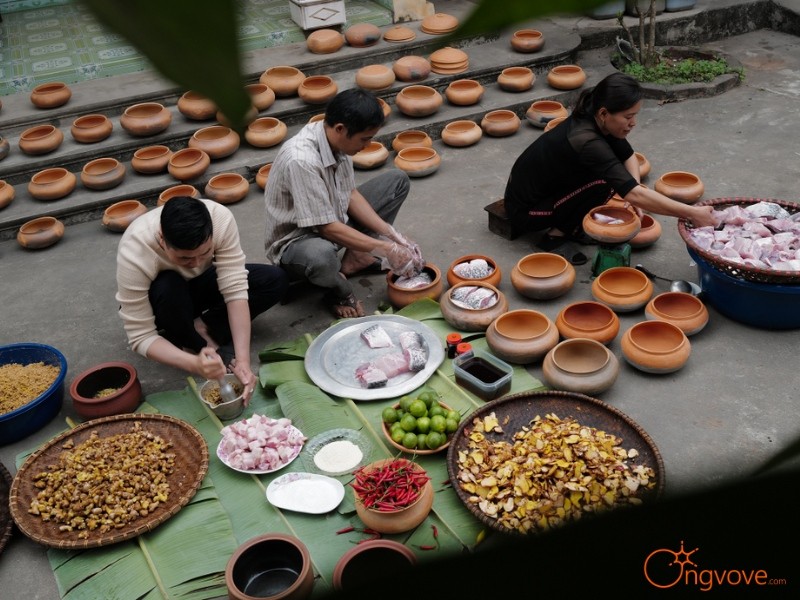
(499, 222)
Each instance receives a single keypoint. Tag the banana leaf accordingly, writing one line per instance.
(273, 374)
(294, 350)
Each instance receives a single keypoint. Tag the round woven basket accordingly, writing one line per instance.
(6, 523)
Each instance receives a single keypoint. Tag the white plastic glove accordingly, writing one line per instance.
(396, 257)
(413, 247)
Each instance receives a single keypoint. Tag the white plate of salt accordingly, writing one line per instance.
(305, 492)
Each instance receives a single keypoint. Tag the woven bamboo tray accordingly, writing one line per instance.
(191, 465)
(6, 522)
(518, 410)
(731, 268)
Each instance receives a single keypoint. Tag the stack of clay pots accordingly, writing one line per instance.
(449, 61)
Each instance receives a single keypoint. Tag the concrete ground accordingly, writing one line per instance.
(728, 410)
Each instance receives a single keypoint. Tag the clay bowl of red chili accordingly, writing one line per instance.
(392, 495)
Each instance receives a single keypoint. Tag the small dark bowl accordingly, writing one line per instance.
(119, 376)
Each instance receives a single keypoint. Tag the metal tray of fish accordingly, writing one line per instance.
(333, 357)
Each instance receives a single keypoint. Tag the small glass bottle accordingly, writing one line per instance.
(452, 340)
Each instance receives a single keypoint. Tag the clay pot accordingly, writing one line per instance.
(89, 129)
(52, 184)
(418, 100)
(265, 132)
(118, 376)
(648, 234)
(40, 139)
(411, 138)
(418, 161)
(147, 118)
(588, 319)
(227, 188)
(40, 233)
(188, 163)
(183, 189)
(399, 33)
(623, 225)
(371, 157)
(5, 148)
(469, 319)
(492, 278)
(317, 89)
(119, 215)
(411, 68)
(679, 308)
(217, 141)
(566, 77)
(554, 123)
(400, 297)
(580, 365)
(681, 186)
(542, 276)
(197, 107)
(500, 123)
(623, 289)
(655, 347)
(527, 40)
(644, 165)
(362, 35)
(516, 79)
(315, 118)
(273, 565)
(521, 336)
(102, 173)
(449, 61)
(51, 95)
(464, 92)
(151, 159)
(261, 95)
(541, 112)
(439, 24)
(461, 133)
(387, 110)
(262, 175)
(283, 80)
(365, 563)
(7, 194)
(375, 77)
(324, 41)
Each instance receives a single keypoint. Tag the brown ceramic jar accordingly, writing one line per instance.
(471, 319)
(89, 129)
(227, 188)
(681, 186)
(41, 232)
(119, 215)
(588, 319)
(464, 92)
(543, 276)
(400, 297)
(516, 79)
(527, 40)
(52, 183)
(418, 100)
(283, 80)
(324, 41)
(362, 35)
(541, 112)
(411, 68)
(102, 173)
(50, 95)
(151, 159)
(500, 123)
(375, 77)
(196, 107)
(623, 289)
(411, 138)
(648, 234)
(371, 157)
(217, 141)
(262, 175)
(418, 161)
(146, 118)
(610, 224)
(317, 89)
(118, 376)
(492, 278)
(679, 308)
(461, 133)
(7, 194)
(580, 365)
(261, 95)
(183, 189)
(188, 163)
(566, 77)
(521, 336)
(655, 347)
(265, 132)
(40, 139)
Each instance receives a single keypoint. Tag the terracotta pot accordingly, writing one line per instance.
(217, 141)
(197, 107)
(265, 132)
(151, 159)
(40, 139)
(5, 148)
(147, 118)
(516, 79)
(188, 163)
(655, 347)
(611, 225)
(41, 232)
(492, 278)
(461, 133)
(102, 173)
(648, 234)
(283, 80)
(644, 165)
(51, 95)
(387, 110)
(588, 319)
(418, 100)
(521, 336)
(262, 175)
(471, 319)
(7, 194)
(543, 275)
(464, 92)
(500, 123)
(315, 118)
(102, 378)
(449, 61)
(566, 77)
(119, 215)
(227, 188)
(623, 289)
(375, 77)
(371, 157)
(418, 161)
(411, 68)
(52, 184)
(366, 563)
(554, 123)
(679, 308)
(399, 33)
(439, 23)
(400, 297)
(273, 565)
(317, 89)
(541, 112)
(183, 189)
(362, 35)
(89, 129)
(261, 95)
(580, 365)
(324, 41)
(411, 138)
(681, 186)
(527, 40)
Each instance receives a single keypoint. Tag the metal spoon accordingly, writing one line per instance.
(226, 391)
(676, 285)
(650, 274)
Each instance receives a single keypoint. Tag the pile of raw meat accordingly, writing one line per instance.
(477, 268)
(260, 443)
(411, 357)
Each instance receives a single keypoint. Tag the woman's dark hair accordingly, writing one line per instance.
(356, 109)
(185, 223)
(616, 92)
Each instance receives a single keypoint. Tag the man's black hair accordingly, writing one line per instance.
(356, 109)
(185, 223)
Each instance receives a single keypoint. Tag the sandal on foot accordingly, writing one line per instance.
(548, 242)
(337, 304)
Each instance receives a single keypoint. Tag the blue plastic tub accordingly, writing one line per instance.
(37, 413)
(762, 305)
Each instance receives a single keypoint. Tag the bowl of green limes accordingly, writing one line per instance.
(420, 424)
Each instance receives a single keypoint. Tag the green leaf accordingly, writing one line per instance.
(312, 411)
(488, 17)
(278, 351)
(273, 374)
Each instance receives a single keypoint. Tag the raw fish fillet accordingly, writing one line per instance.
(417, 281)
(479, 297)
(369, 376)
(392, 364)
(410, 339)
(460, 293)
(376, 337)
(416, 358)
(474, 269)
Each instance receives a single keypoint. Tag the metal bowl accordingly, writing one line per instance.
(224, 410)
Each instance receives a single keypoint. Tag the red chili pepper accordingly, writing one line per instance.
(345, 530)
(427, 547)
(435, 532)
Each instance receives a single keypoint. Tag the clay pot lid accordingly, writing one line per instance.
(49, 175)
(461, 126)
(580, 355)
(399, 33)
(542, 264)
(439, 23)
(100, 166)
(680, 178)
(622, 281)
(448, 56)
(656, 337)
(588, 316)
(522, 324)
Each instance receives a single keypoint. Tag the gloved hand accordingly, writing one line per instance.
(413, 247)
(396, 257)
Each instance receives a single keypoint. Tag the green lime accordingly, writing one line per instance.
(408, 422)
(450, 425)
(422, 440)
(398, 435)
(389, 415)
(428, 398)
(409, 440)
(395, 426)
(438, 424)
(434, 440)
(423, 425)
(436, 410)
(400, 413)
(405, 402)
(418, 408)
(453, 414)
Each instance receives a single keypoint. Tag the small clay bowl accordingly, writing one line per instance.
(464, 92)
(188, 163)
(110, 388)
(566, 77)
(375, 77)
(623, 225)
(50, 95)
(217, 141)
(461, 133)
(371, 157)
(283, 80)
(277, 562)
(411, 138)
(466, 318)
(89, 129)
(492, 278)
(679, 308)
(527, 40)
(648, 234)
(262, 175)
(418, 100)
(681, 186)
(183, 189)
(324, 41)
(623, 289)
(52, 183)
(102, 173)
(227, 188)
(195, 106)
(40, 139)
(400, 297)
(588, 319)
(554, 123)
(521, 336)
(500, 123)
(151, 159)
(261, 95)
(41, 232)
(655, 347)
(516, 79)
(543, 276)
(357, 567)
(317, 89)
(541, 112)
(580, 365)
(120, 215)
(644, 165)
(418, 161)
